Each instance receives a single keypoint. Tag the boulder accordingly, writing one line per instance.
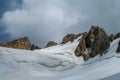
(118, 49)
(69, 37)
(51, 43)
(96, 42)
(21, 43)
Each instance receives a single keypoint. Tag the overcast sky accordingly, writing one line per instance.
(45, 20)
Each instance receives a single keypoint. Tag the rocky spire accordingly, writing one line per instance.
(96, 42)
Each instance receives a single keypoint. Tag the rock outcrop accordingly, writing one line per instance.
(117, 35)
(82, 45)
(21, 43)
(118, 49)
(69, 37)
(94, 43)
(33, 47)
(111, 37)
(51, 43)
(97, 40)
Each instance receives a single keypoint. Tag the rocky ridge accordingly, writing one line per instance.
(21, 43)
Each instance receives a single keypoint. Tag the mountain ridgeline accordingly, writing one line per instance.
(92, 43)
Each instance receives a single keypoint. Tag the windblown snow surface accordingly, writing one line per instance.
(58, 63)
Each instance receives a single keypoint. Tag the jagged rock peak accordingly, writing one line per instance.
(94, 43)
(21, 43)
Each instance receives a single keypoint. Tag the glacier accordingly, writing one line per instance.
(57, 63)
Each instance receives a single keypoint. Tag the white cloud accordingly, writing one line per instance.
(40, 20)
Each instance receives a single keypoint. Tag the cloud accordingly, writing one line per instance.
(40, 20)
(44, 20)
(7, 5)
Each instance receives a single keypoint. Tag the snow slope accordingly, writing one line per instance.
(57, 63)
(57, 58)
